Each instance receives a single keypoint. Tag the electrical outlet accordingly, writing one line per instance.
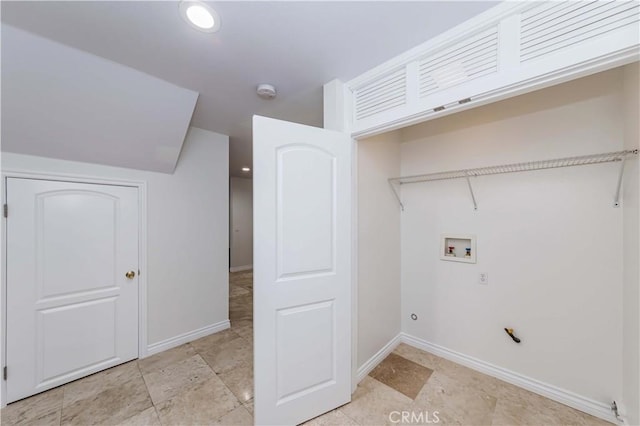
(483, 278)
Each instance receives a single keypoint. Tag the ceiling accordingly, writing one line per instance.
(82, 107)
(296, 46)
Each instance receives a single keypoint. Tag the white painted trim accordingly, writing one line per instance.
(68, 177)
(337, 104)
(579, 402)
(187, 337)
(378, 357)
(354, 264)
(142, 271)
(512, 78)
(240, 268)
(584, 69)
(622, 412)
(142, 252)
(334, 106)
(3, 300)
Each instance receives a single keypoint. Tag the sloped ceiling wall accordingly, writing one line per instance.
(60, 102)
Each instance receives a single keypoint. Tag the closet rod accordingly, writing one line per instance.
(582, 160)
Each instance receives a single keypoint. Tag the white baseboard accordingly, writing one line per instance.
(587, 405)
(377, 358)
(240, 268)
(190, 336)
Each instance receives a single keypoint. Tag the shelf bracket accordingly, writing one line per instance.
(395, 186)
(473, 197)
(616, 200)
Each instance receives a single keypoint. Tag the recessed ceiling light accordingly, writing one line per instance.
(200, 16)
(246, 169)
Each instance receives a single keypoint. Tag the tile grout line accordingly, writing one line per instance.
(221, 381)
(146, 386)
(155, 410)
(228, 389)
(346, 415)
(61, 405)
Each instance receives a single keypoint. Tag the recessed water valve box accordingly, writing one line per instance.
(458, 248)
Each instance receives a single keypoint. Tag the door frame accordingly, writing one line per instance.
(336, 114)
(142, 253)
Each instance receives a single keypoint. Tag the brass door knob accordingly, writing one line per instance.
(130, 275)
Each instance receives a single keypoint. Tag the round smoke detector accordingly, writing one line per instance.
(266, 91)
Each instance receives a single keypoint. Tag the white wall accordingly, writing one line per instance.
(241, 223)
(187, 231)
(378, 245)
(631, 259)
(551, 241)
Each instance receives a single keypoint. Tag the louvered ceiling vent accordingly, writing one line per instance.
(558, 25)
(385, 93)
(477, 56)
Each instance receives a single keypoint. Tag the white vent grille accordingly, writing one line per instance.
(385, 93)
(557, 25)
(475, 57)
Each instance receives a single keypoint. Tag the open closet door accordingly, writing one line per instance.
(302, 271)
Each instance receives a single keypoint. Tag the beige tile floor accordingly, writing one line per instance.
(210, 382)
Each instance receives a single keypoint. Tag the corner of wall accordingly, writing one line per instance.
(378, 246)
(631, 260)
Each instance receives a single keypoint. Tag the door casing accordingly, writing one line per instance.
(142, 254)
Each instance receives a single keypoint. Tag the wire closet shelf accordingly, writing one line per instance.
(608, 157)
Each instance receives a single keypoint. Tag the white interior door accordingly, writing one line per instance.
(71, 311)
(302, 270)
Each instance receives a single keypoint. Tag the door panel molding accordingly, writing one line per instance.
(307, 161)
(57, 318)
(290, 388)
(49, 200)
(141, 186)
